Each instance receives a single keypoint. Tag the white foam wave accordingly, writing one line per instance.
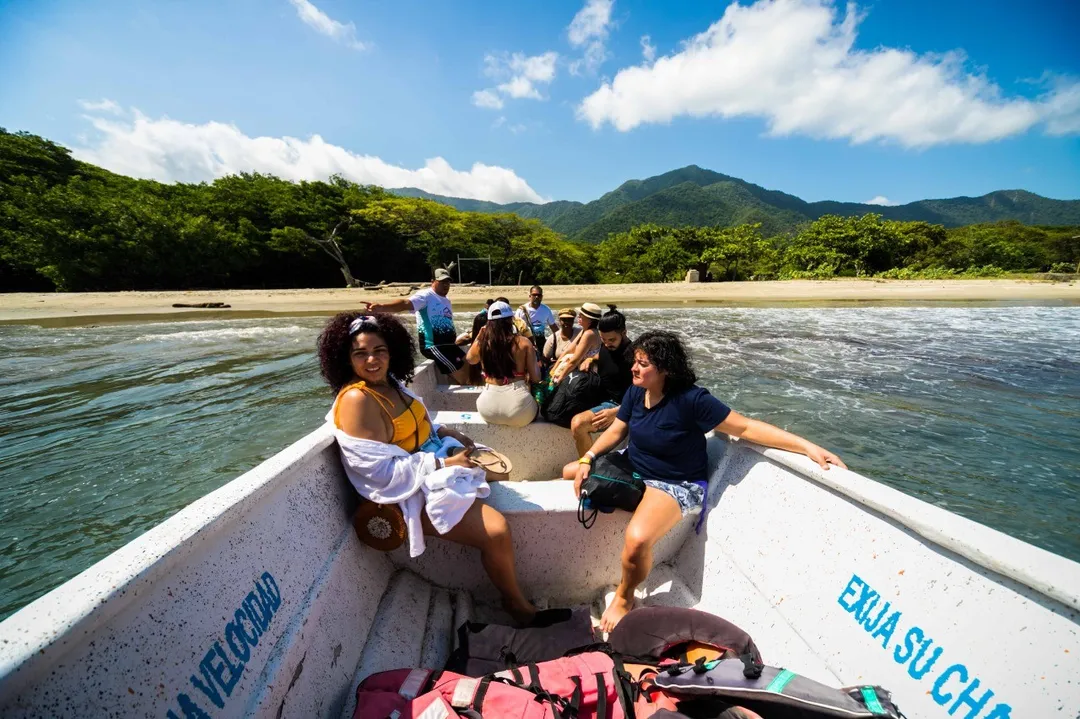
(228, 333)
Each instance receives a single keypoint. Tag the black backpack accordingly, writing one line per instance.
(577, 392)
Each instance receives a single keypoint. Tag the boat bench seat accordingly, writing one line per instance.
(456, 398)
(538, 451)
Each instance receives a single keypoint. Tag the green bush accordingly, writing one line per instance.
(908, 273)
(821, 272)
(984, 271)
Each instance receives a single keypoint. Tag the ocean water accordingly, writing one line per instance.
(106, 431)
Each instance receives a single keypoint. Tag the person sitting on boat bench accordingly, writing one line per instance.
(666, 415)
(585, 346)
(393, 453)
(509, 364)
(613, 365)
(435, 325)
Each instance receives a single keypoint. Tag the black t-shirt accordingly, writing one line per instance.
(614, 370)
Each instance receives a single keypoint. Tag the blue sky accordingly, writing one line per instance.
(896, 99)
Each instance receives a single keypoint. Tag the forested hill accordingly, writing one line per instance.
(696, 196)
(70, 226)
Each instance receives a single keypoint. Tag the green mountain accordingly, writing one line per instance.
(696, 196)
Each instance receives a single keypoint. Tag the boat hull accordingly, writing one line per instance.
(259, 600)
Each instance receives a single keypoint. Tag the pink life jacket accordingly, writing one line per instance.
(592, 683)
(426, 694)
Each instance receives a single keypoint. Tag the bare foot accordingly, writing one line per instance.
(615, 612)
(520, 611)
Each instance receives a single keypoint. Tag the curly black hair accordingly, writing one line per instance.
(668, 354)
(335, 346)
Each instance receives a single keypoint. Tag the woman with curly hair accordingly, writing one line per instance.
(666, 416)
(393, 453)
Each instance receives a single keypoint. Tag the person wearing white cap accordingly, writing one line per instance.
(434, 324)
(509, 364)
(585, 346)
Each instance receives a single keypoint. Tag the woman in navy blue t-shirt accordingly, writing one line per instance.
(666, 416)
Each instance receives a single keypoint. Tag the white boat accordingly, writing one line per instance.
(258, 599)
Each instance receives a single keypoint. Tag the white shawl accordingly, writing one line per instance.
(386, 474)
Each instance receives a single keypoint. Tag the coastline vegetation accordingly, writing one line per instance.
(66, 225)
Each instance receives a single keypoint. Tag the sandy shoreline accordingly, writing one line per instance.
(87, 307)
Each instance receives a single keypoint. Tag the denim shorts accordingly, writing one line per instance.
(607, 404)
(689, 495)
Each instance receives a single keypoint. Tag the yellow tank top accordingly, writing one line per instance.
(411, 427)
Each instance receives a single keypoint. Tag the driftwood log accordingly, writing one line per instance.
(410, 285)
(205, 305)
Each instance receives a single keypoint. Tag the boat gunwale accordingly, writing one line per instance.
(1049, 574)
(104, 589)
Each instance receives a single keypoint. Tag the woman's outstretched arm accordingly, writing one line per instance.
(769, 435)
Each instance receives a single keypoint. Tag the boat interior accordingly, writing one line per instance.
(836, 577)
(560, 563)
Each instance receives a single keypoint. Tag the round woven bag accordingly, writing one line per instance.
(380, 526)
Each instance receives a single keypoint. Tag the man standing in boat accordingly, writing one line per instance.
(538, 316)
(434, 325)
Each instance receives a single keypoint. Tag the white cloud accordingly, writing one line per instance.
(104, 105)
(312, 16)
(488, 99)
(589, 28)
(521, 75)
(591, 22)
(794, 63)
(173, 151)
(881, 200)
(648, 50)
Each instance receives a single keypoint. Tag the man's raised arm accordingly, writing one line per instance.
(402, 305)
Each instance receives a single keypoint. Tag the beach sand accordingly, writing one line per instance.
(94, 307)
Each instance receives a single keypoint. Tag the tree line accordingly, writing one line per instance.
(69, 226)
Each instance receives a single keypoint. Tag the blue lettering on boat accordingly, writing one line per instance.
(952, 686)
(224, 662)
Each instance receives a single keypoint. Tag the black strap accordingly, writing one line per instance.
(481, 692)
(517, 674)
(625, 689)
(575, 698)
(751, 666)
(589, 521)
(534, 677)
(601, 697)
(508, 659)
(595, 647)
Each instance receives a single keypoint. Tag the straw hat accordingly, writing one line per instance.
(591, 310)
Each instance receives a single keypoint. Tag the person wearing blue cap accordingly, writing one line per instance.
(509, 365)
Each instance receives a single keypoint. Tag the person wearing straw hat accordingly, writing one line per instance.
(585, 346)
(559, 341)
